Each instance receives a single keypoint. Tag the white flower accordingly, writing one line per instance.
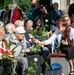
(0, 55)
(62, 73)
(35, 59)
(46, 20)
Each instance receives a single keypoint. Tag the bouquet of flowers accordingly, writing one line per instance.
(39, 33)
(7, 58)
(6, 52)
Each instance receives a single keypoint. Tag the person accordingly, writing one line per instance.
(67, 19)
(5, 15)
(18, 23)
(2, 34)
(28, 27)
(66, 36)
(72, 21)
(39, 22)
(9, 28)
(53, 15)
(71, 10)
(1, 23)
(36, 11)
(19, 40)
(3, 70)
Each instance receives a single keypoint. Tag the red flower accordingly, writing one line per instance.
(4, 50)
(9, 52)
(38, 27)
(30, 40)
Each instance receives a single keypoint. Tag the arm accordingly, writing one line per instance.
(48, 41)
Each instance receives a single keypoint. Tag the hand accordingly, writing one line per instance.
(36, 41)
(64, 42)
(15, 61)
(22, 54)
(27, 50)
(31, 36)
(49, 33)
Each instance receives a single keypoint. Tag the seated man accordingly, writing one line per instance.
(19, 40)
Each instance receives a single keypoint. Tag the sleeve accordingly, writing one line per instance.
(72, 34)
(52, 38)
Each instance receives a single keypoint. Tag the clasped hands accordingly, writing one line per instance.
(64, 42)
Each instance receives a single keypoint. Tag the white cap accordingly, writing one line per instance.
(20, 29)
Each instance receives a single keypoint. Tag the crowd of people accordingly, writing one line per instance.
(62, 29)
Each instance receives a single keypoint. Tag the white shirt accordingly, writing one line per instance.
(58, 35)
(0, 43)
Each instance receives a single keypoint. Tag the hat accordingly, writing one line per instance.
(20, 29)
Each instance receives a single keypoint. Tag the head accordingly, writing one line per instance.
(1, 23)
(19, 32)
(67, 19)
(34, 2)
(10, 27)
(2, 33)
(39, 21)
(61, 25)
(29, 24)
(55, 5)
(72, 18)
(19, 23)
(7, 7)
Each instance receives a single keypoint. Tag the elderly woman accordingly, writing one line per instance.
(66, 40)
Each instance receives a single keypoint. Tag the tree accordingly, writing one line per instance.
(24, 5)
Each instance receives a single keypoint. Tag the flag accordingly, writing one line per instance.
(15, 13)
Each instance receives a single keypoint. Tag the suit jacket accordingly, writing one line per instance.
(26, 34)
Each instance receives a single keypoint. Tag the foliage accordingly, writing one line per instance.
(31, 68)
(35, 48)
(39, 33)
(24, 5)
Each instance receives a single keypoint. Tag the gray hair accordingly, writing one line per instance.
(1, 23)
(30, 21)
(9, 26)
(19, 23)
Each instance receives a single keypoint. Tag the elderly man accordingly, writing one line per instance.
(9, 28)
(19, 40)
(28, 27)
(19, 23)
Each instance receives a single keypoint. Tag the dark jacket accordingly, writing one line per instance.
(53, 16)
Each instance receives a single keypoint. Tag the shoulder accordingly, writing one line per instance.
(71, 31)
(7, 36)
